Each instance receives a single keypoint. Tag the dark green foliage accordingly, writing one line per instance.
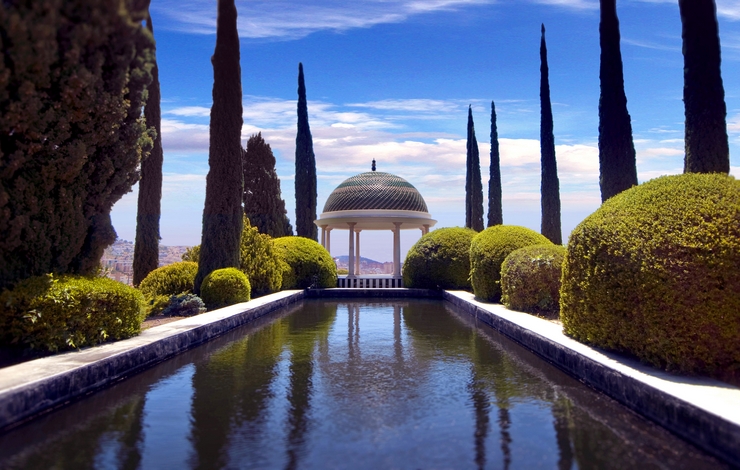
(222, 214)
(550, 186)
(530, 279)
(306, 263)
(260, 261)
(489, 249)
(184, 305)
(146, 246)
(654, 273)
(617, 166)
(305, 169)
(495, 205)
(224, 287)
(263, 203)
(164, 282)
(473, 184)
(192, 254)
(51, 313)
(707, 149)
(440, 260)
(72, 86)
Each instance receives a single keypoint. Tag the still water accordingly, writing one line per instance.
(332, 384)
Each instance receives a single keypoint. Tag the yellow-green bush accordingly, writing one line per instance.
(306, 263)
(162, 283)
(440, 260)
(530, 279)
(655, 272)
(260, 261)
(51, 313)
(224, 287)
(487, 252)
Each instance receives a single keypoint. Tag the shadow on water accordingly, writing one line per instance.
(338, 384)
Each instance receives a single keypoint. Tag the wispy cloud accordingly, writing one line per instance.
(651, 45)
(574, 4)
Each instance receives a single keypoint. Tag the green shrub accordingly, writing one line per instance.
(306, 263)
(530, 279)
(55, 313)
(192, 254)
(487, 252)
(164, 282)
(654, 272)
(440, 260)
(224, 287)
(260, 261)
(184, 305)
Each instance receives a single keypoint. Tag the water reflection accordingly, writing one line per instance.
(408, 384)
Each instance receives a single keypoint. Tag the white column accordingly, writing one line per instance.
(323, 236)
(357, 252)
(328, 240)
(426, 229)
(351, 263)
(397, 250)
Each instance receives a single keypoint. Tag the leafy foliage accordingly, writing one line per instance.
(495, 208)
(164, 282)
(654, 273)
(440, 260)
(56, 313)
(306, 263)
(260, 261)
(224, 287)
(473, 184)
(184, 305)
(72, 86)
(489, 249)
(305, 169)
(191, 254)
(530, 279)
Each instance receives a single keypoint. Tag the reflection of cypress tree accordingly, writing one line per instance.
(495, 209)
(473, 184)
(222, 214)
(482, 419)
(550, 188)
(305, 169)
(707, 149)
(561, 414)
(504, 423)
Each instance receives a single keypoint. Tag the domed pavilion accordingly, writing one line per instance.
(373, 201)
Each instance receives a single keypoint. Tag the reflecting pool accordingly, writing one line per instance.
(346, 384)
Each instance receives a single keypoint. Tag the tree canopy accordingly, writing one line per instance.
(305, 169)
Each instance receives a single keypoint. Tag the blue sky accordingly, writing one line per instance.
(392, 80)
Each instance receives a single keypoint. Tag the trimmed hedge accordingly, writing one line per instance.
(306, 263)
(224, 287)
(655, 272)
(52, 313)
(530, 279)
(440, 260)
(487, 252)
(162, 283)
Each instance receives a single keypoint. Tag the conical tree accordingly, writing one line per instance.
(146, 247)
(550, 186)
(473, 185)
(305, 169)
(495, 206)
(617, 166)
(263, 203)
(707, 149)
(222, 214)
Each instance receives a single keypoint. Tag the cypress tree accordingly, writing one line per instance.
(707, 149)
(495, 209)
(146, 247)
(263, 204)
(550, 186)
(72, 87)
(305, 169)
(474, 187)
(222, 214)
(617, 166)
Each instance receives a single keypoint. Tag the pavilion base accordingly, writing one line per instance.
(369, 282)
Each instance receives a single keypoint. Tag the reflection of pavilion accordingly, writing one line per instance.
(373, 201)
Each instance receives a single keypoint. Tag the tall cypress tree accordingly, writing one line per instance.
(222, 214)
(305, 169)
(495, 206)
(707, 149)
(617, 166)
(474, 186)
(146, 248)
(263, 204)
(550, 186)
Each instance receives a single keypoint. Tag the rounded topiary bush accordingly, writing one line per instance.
(307, 264)
(225, 287)
(162, 283)
(440, 260)
(655, 272)
(51, 313)
(487, 252)
(530, 279)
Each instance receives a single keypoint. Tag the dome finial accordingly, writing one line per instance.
(373, 167)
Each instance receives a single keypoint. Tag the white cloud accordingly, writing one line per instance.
(574, 4)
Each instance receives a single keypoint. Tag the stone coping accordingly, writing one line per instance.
(703, 411)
